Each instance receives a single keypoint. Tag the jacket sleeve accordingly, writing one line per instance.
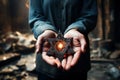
(88, 17)
(37, 20)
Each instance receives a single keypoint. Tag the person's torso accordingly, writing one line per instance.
(61, 13)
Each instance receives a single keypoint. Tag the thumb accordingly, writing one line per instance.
(39, 44)
(76, 42)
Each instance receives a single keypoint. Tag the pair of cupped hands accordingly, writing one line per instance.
(79, 47)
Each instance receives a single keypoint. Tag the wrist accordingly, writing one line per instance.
(73, 29)
(50, 31)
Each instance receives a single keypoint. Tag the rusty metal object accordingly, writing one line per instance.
(60, 46)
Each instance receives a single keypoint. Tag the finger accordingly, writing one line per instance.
(38, 44)
(46, 46)
(49, 60)
(68, 64)
(45, 49)
(64, 63)
(67, 36)
(76, 42)
(75, 58)
(57, 61)
(76, 49)
(37, 47)
(83, 44)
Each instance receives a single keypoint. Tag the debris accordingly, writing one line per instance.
(8, 58)
(113, 72)
(115, 55)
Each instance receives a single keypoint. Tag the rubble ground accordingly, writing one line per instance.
(17, 59)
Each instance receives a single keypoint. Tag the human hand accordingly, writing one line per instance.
(43, 47)
(79, 45)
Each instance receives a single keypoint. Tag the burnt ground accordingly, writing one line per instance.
(23, 69)
(17, 59)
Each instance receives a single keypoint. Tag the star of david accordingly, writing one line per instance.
(66, 50)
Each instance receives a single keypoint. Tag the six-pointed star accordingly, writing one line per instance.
(66, 48)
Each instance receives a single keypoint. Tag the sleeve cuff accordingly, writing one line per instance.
(77, 25)
(40, 27)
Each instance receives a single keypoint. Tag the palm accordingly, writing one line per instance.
(43, 47)
(79, 44)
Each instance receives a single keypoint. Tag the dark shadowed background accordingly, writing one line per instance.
(17, 42)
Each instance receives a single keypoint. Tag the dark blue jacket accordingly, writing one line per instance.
(62, 15)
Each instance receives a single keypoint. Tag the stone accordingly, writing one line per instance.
(115, 54)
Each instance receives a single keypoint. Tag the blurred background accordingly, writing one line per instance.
(17, 58)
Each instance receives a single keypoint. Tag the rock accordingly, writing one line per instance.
(113, 72)
(115, 54)
(21, 62)
(98, 72)
(30, 66)
(13, 67)
(7, 58)
(28, 61)
(95, 53)
(5, 46)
